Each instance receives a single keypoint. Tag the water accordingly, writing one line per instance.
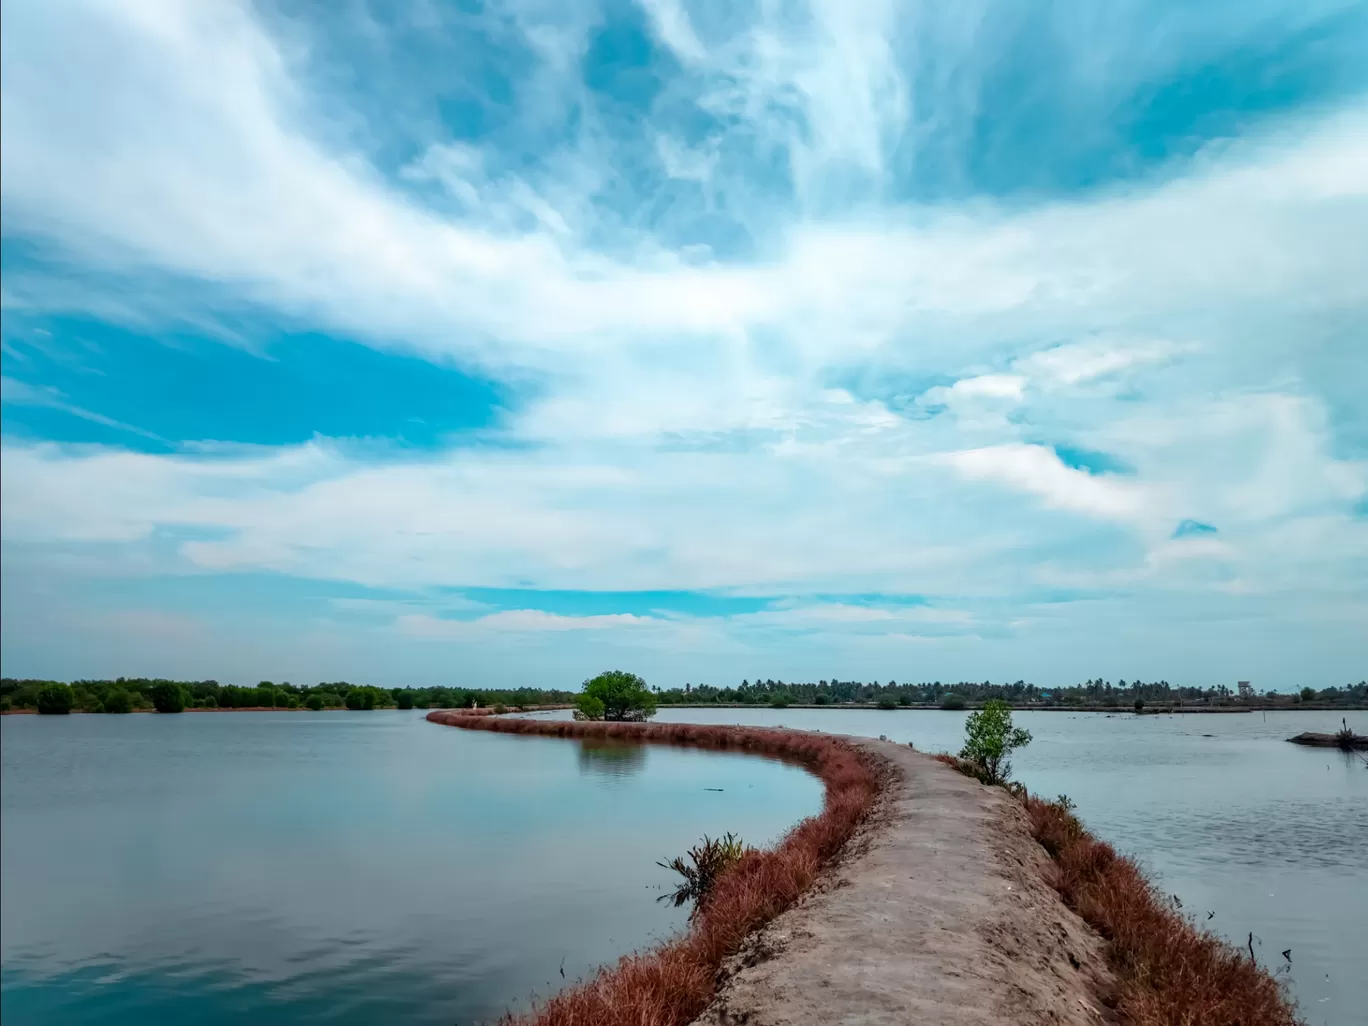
(1270, 837)
(339, 867)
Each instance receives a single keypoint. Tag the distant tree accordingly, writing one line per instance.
(55, 700)
(314, 702)
(361, 698)
(624, 696)
(990, 739)
(117, 700)
(1308, 694)
(887, 701)
(779, 700)
(210, 702)
(404, 699)
(904, 699)
(168, 697)
(952, 701)
(1139, 705)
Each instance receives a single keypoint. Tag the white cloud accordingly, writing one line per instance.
(688, 430)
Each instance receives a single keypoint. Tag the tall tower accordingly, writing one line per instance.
(1246, 689)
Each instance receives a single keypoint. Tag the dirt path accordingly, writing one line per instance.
(939, 915)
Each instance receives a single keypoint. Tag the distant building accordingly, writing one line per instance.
(1246, 689)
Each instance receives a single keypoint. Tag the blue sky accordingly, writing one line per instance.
(499, 343)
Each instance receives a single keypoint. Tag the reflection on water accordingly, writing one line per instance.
(354, 868)
(611, 759)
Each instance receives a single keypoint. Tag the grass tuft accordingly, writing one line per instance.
(1168, 971)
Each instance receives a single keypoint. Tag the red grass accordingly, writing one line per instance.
(1169, 973)
(673, 983)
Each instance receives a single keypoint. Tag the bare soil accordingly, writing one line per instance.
(940, 913)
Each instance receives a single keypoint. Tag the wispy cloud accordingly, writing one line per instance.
(783, 329)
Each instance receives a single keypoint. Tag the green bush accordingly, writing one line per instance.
(360, 698)
(779, 700)
(622, 695)
(990, 739)
(118, 701)
(55, 700)
(887, 702)
(904, 699)
(314, 702)
(168, 697)
(1308, 694)
(210, 702)
(952, 701)
(589, 708)
(405, 699)
(1139, 705)
(709, 860)
(822, 699)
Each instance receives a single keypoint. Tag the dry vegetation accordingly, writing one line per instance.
(672, 984)
(1168, 972)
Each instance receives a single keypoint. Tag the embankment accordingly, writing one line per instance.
(917, 895)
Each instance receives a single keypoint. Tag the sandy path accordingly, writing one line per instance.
(939, 915)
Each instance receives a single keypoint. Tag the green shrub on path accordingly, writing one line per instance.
(990, 740)
(616, 695)
(55, 700)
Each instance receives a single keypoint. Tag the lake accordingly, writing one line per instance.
(363, 867)
(339, 867)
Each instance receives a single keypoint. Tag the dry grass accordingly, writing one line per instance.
(1169, 973)
(673, 983)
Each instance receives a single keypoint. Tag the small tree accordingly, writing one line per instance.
(621, 696)
(1139, 705)
(405, 699)
(167, 697)
(990, 739)
(55, 700)
(1308, 694)
(952, 701)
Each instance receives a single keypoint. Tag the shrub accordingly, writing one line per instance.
(904, 699)
(822, 699)
(55, 700)
(1308, 694)
(624, 696)
(168, 697)
(952, 701)
(314, 702)
(405, 699)
(360, 698)
(887, 702)
(1139, 705)
(210, 702)
(709, 860)
(590, 708)
(118, 701)
(779, 700)
(5, 704)
(990, 740)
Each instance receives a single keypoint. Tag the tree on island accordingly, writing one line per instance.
(615, 695)
(990, 739)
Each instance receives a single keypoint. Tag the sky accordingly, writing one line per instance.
(498, 344)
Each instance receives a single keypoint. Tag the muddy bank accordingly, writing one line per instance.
(1346, 741)
(938, 913)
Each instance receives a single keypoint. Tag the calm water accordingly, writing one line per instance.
(1271, 837)
(341, 868)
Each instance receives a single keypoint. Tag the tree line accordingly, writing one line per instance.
(1095, 691)
(130, 694)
